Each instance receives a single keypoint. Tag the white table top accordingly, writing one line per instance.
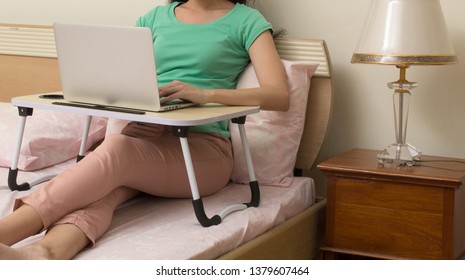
(191, 116)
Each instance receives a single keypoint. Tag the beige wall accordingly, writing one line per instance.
(124, 12)
(362, 107)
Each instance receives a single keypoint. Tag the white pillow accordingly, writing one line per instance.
(274, 137)
(49, 137)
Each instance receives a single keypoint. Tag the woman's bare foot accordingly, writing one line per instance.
(32, 252)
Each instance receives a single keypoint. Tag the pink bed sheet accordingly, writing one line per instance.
(155, 228)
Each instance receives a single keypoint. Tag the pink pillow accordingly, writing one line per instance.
(274, 137)
(49, 137)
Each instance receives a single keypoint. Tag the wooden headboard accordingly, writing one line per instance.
(28, 62)
(28, 65)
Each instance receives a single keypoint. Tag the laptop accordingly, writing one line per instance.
(109, 68)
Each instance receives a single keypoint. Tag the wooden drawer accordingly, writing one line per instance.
(384, 218)
(383, 194)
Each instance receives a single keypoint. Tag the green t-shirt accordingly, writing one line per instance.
(208, 56)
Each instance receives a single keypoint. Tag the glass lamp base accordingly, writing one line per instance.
(400, 153)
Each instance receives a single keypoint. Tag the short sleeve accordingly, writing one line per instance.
(148, 20)
(254, 25)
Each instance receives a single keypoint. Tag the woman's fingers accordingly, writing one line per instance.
(180, 90)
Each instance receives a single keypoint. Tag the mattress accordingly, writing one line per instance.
(148, 227)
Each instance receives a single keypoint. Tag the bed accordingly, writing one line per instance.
(289, 222)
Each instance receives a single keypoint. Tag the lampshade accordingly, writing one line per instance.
(405, 32)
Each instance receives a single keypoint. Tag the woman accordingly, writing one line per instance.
(202, 46)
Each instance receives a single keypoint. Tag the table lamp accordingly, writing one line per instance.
(404, 33)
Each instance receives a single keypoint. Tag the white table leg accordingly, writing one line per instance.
(197, 202)
(85, 135)
(199, 209)
(13, 172)
(253, 183)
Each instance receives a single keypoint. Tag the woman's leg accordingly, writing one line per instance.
(155, 166)
(19, 225)
(163, 172)
(74, 232)
(95, 219)
(86, 182)
(92, 178)
(60, 243)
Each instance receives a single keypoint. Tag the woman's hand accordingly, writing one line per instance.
(180, 90)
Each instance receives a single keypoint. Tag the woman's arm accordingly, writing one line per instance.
(271, 95)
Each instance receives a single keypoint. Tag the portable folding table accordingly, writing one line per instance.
(180, 120)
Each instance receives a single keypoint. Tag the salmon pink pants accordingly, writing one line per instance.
(144, 158)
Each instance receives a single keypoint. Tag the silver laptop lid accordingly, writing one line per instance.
(107, 65)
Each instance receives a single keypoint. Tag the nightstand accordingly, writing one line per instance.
(394, 212)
